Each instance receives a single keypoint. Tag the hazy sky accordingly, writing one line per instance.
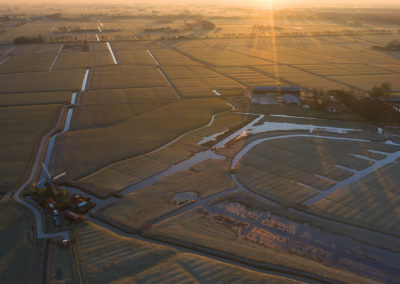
(253, 3)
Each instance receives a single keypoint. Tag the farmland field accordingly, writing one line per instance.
(35, 98)
(306, 166)
(72, 59)
(106, 257)
(21, 128)
(20, 256)
(154, 96)
(367, 202)
(69, 80)
(163, 125)
(205, 229)
(180, 169)
(132, 212)
(27, 63)
(121, 174)
(197, 81)
(127, 76)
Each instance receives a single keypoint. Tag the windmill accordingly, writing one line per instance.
(51, 180)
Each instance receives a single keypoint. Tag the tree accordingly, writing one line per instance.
(383, 91)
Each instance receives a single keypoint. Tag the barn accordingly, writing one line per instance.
(267, 95)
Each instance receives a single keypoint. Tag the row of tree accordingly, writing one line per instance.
(374, 108)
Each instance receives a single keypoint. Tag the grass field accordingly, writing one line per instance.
(373, 202)
(367, 82)
(69, 80)
(20, 129)
(132, 213)
(124, 173)
(202, 228)
(285, 169)
(27, 63)
(221, 57)
(127, 76)
(154, 96)
(198, 81)
(79, 59)
(247, 76)
(142, 133)
(105, 257)
(20, 257)
(300, 78)
(35, 98)
(134, 56)
(166, 56)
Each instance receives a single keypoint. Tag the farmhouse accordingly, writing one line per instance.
(394, 98)
(266, 95)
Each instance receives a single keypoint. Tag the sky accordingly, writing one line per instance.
(248, 3)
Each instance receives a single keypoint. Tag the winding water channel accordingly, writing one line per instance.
(306, 240)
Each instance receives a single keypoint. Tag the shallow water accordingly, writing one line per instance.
(184, 197)
(211, 137)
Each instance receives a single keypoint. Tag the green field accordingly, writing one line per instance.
(202, 228)
(21, 258)
(35, 98)
(124, 173)
(150, 96)
(132, 212)
(373, 202)
(105, 257)
(198, 81)
(177, 89)
(77, 59)
(27, 63)
(21, 128)
(70, 80)
(292, 170)
(127, 76)
(84, 151)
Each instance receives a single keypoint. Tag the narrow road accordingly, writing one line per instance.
(40, 233)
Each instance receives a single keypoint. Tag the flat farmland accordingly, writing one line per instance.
(35, 98)
(291, 170)
(168, 56)
(300, 77)
(392, 68)
(154, 95)
(20, 256)
(132, 213)
(127, 76)
(21, 127)
(247, 76)
(221, 57)
(196, 81)
(142, 133)
(27, 63)
(106, 257)
(199, 227)
(373, 202)
(345, 69)
(366, 82)
(69, 80)
(120, 175)
(133, 45)
(134, 56)
(280, 52)
(81, 59)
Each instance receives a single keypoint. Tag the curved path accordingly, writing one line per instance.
(40, 233)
